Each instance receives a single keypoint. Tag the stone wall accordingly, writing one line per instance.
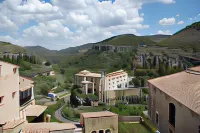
(101, 123)
(130, 118)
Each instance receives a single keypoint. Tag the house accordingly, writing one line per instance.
(9, 92)
(17, 103)
(91, 82)
(99, 122)
(174, 102)
(95, 83)
(117, 80)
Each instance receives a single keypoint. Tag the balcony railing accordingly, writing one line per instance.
(171, 127)
(24, 100)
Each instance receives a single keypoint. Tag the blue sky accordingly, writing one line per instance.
(55, 24)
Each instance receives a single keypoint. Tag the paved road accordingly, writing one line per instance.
(61, 118)
(64, 120)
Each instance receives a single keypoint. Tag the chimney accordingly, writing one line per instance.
(48, 118)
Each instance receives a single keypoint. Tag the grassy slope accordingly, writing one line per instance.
(158, 38)
(8, 47)
(128, 39)
(95, 61)
(187, 38)
(132, 128)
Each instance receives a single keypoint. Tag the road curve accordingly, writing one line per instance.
(58, 115)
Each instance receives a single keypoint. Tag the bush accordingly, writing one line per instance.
(148, 124)
(68, 113)
(48, 63)
(140, 72)
(145, 90)
(136, 82)
(44, 89)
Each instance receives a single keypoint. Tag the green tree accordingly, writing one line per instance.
(136, 82)
(48, 63)
(73, 98)
(142, 82)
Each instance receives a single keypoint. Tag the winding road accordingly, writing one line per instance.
(58, 115)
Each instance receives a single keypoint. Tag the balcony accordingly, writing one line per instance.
(25, 96)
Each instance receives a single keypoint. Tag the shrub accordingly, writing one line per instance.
(148, 124)
(68, 113)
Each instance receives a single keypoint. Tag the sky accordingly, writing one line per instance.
(59, 24)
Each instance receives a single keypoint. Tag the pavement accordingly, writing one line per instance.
(58, 115)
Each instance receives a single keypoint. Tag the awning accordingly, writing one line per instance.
(35, 110)
(26, 87)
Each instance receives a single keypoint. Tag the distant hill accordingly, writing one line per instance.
(158, 38)
(128, 40)
(8, 47)
(78, 49)
(40, 50)
(187, 38)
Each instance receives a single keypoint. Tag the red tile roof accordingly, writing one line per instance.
(183, 87)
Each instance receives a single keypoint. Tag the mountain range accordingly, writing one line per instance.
(187, 39)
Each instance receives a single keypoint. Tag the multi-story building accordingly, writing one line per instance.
(17, 103)
(95, 83)
(117, 80)
(91, 82)
(99, 122)
(9, 92)
(174, 102)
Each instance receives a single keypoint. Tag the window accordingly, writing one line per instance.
(13, 94)
(172, 114)
(108, 131)
(199, 129)
(94, 132)
(101, 131)
(14, 70)
(157, 118)
(1, 99)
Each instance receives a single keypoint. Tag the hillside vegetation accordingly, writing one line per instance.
(128, 40)
(96, 61)
(8, 47)
(187, 39)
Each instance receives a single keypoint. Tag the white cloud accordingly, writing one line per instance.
(198, 14)
(7, 25)
(142, 14)
(177, 15)
(167, 21)
(191, 18)
(166, 32)
(61, 24)
(180, 22)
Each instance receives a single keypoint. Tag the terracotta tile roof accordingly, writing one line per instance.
(116, 73)
(35, 110)
(47, 127)
(86, 73)
(25, 83)
(183, 87)
(13, 124)
(98, 114)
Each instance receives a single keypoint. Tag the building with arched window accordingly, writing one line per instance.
(174, 102)
(99, 122)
